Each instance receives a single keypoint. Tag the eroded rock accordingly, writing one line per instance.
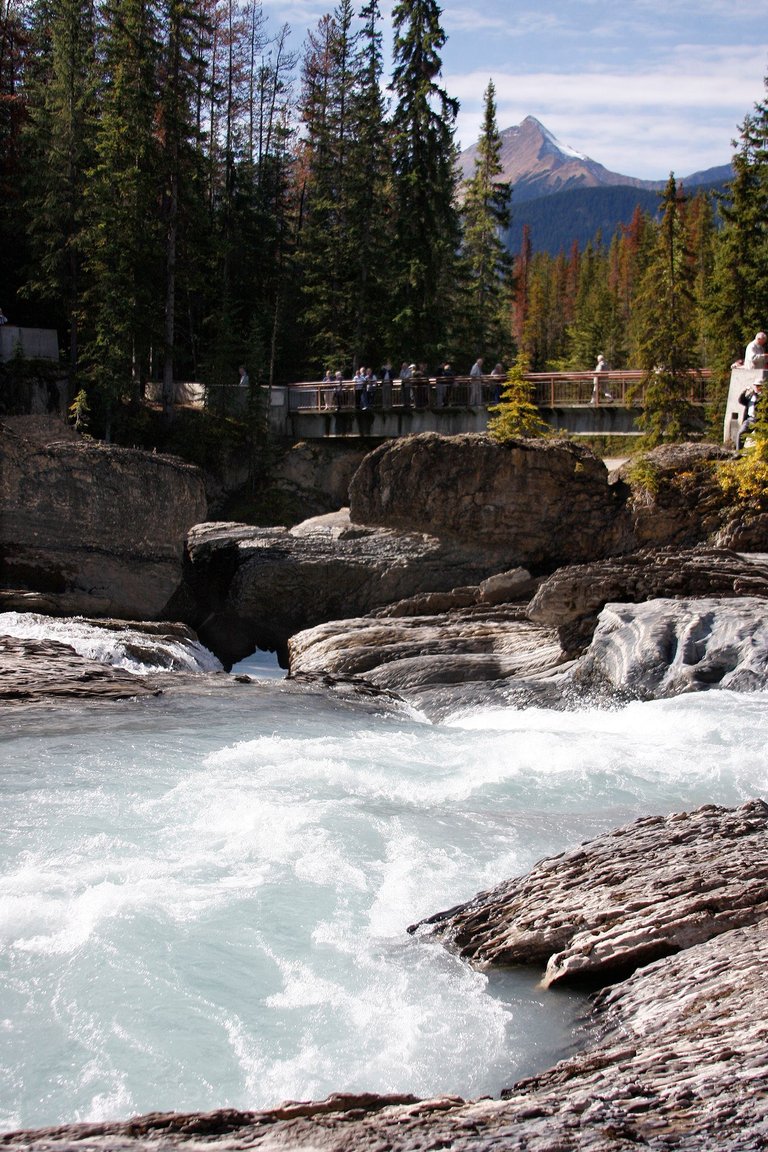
(613, 904)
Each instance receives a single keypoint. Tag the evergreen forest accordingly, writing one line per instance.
(183, 189)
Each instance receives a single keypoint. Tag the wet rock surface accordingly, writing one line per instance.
(676, 1059)
(611, 905)
(39, 670)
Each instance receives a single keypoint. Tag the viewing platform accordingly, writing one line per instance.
(568, 401)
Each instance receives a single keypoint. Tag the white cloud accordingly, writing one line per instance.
(641, 123)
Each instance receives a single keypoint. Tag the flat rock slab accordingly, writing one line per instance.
(599, 911)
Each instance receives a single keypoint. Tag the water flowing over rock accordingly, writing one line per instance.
(93, 529)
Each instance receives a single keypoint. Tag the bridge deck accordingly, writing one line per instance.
(549, 390)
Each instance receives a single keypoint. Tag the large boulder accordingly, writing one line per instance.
(93, 529)
(544, 502)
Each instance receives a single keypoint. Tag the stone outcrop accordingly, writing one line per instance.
(571, 598)
(663, 648)
(676, 1058)
(543, 502)
(611, 905)
(674, 497)
(249, 587)
(465, 650)
(91, 528)
(438, 663)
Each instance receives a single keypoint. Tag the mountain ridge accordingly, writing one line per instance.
(537, 164)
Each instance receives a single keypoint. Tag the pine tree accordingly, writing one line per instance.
(14, 59)
(668, 338)
(516, 414)
(326, 257)
(370, 216)
(737, 302)
(424, 184)
(62, 98)
(486, 261)
(596, 326)
(125, 237)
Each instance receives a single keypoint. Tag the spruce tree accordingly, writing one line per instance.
(15, 58)
(424, 184)
(486, 261)
(737, 302)
(667, 320)
(60, 136)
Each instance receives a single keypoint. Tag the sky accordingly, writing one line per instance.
(644, 87)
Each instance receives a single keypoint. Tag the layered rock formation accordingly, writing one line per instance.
(93, 529)
(460, 652)
(677, 1054)
(600, 911)
(255, 587)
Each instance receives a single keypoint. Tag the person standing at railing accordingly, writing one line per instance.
(476, 383)
(406, 373)
(601, 366)
(338, 391)
(755, 355)
(359, 382)
(387, 378)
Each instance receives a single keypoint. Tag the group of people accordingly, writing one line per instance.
(755, 357)
(414, 385)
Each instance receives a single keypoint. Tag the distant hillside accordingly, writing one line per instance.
(556, 221)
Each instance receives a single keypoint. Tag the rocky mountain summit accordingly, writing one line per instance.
(537, 164)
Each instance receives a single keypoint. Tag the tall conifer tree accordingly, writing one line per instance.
(486, 261)
(424, 182)
(62, 98)
(668, 338)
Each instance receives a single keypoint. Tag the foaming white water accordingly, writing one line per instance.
(204, 899)
(129, 648)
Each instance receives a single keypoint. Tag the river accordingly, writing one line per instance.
(204, 896)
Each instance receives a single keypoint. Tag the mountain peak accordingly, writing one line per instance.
(536, 164)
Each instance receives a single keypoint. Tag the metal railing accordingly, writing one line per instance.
(621, 388)
(550, 390)
(421, 392)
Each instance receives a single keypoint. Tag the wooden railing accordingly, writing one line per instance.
(550, 390)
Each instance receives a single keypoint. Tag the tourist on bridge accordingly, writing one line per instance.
(387, 378)
(749, 400)
(338, 391)
(406, 372)
(359, 382)
(597, 392)
(755, 355)
(475, 383)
